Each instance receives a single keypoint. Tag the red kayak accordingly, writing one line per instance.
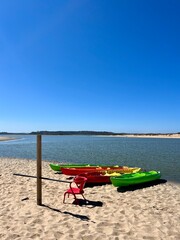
(96, 177)
(77, 171)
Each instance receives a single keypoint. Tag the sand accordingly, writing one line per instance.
(171, 135)
(152, 212)
(6, 138)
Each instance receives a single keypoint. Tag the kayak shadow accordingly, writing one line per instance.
(141, 185)
(58, 173)
(91, 185)
(91, 204)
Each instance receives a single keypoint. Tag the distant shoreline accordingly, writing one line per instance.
(96, 133)
(149, 135)
(153, 135)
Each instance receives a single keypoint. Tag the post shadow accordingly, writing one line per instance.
(81, 217)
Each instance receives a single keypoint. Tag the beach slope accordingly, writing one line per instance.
(151, 212)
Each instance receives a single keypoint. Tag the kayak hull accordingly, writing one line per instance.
(96, 178)
(77, 171)
(135, 178)
(57, 167)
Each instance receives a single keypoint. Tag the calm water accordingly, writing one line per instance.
(150, 154)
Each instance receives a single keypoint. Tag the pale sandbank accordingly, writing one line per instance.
(6, 138)
(172, 135)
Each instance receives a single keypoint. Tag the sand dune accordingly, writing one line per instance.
(152, 212)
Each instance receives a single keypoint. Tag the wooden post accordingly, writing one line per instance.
(39, 159)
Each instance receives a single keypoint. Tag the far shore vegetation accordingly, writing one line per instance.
(96, 133)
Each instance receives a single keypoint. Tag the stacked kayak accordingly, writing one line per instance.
(117, 175)
(98, 177)
(134, 178)
(77, 171)
(57, 167)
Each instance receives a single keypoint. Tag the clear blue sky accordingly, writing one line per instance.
(90, 65)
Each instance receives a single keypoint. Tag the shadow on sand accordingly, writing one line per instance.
(91, 185)
(141, 186)
(92, 204)
(81, 217)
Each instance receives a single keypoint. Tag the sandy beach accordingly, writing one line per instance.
(151, 212)
(6, 138)
(171, 135)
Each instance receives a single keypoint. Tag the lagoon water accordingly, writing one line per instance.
(147, 153)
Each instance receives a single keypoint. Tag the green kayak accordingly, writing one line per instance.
(135, 178)
(57, 167)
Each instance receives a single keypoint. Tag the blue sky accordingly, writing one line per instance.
(90, 65)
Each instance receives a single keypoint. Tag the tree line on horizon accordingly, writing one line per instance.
(73, 133)
(105, 133)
